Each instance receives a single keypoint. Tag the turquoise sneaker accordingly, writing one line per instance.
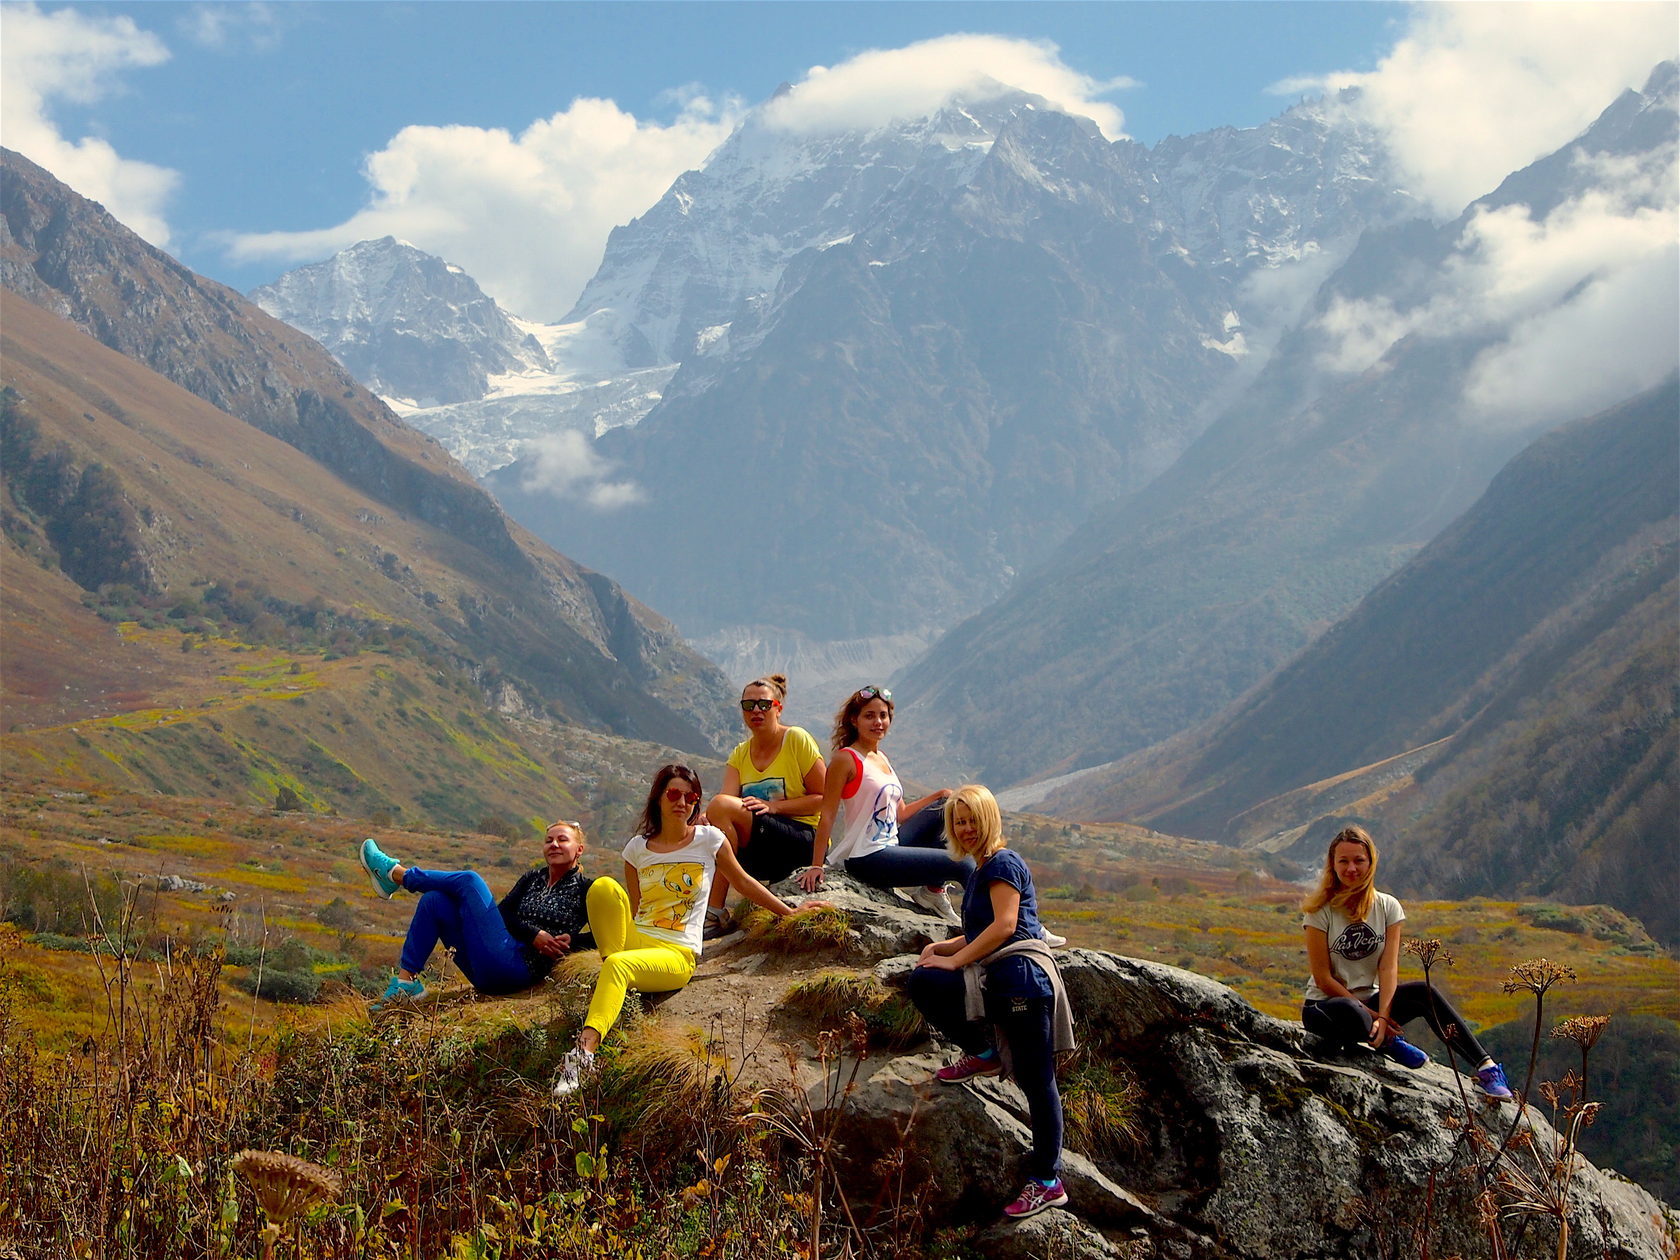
(398, 992)
(378, 866)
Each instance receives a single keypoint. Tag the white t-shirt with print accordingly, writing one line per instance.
(1355, 945)
(675, 885)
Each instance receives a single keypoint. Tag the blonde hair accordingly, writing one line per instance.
(1355, 902)
(988, 821)
(574, 826)
(776, 683)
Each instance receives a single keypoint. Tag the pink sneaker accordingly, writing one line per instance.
(1036, 1197)
(967, 1068)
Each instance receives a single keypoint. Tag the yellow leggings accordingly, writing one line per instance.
(630, 959)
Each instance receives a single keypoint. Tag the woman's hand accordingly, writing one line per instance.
(813, 904)
(811, 878)
(938, 962)
(552, 946)
(1382, 1028)
(755, 805)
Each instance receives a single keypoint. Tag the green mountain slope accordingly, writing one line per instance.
(426, 546)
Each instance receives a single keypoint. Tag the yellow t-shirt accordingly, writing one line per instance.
(784, 778)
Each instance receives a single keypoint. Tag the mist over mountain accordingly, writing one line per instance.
(412, 540)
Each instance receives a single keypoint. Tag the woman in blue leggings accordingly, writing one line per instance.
(500, 948)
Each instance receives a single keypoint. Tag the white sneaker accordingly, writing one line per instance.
(1055, 940)
(573, 1068)
(936, 903)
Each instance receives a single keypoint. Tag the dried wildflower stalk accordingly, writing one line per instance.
(286, 1187)
(1584, 1031)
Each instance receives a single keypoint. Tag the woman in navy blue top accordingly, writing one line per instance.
(1000, 910)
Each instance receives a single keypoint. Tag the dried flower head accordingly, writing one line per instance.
(1538, 975)
(1428, 951)
(1583, 1030)
(285, 1185)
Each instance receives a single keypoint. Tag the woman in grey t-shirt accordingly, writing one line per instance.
(1354, 994)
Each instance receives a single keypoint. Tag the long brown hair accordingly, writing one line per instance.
(651, 819)
(1354, 902)
(845, 719)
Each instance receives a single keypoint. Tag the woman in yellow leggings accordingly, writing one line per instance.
(649, 929)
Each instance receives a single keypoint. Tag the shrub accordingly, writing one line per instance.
(300, 987)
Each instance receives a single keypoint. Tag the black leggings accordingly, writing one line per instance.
(1026, 1022)
(1346, 1021)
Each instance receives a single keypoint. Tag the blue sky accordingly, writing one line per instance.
(250, 137)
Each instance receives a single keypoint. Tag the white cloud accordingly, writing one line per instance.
(566, 465)
(223, 26)
(71, 56)
(1583, 305)
(1590, 299)
(525, 215)
(881, 85)
(1474, 91)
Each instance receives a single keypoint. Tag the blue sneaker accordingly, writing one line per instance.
(378, 866)
(1491, 1081)
(398, 992)
(1405, 1053)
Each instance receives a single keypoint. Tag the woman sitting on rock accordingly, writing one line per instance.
(1001, 969)
(870, 847)
(1353, 995)
(499, 948)
(649, 929)
(772, 788)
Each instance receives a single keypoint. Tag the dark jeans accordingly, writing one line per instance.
(1025, 1022)
(776, 847)
(1346, 1021)
(919, 857)
(456, 908)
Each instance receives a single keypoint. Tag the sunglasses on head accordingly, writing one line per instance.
(677, 796)
(757, 706)
(874, 693)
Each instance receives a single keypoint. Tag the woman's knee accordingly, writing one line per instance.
(604, 893)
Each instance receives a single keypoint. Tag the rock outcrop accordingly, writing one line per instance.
(1244, 1140)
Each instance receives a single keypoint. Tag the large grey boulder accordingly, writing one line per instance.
(1249, 1142)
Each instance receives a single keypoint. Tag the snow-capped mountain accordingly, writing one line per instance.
(723, 234)
(408, 325)
(1006, 316)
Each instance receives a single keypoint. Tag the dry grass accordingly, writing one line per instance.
(829, 996)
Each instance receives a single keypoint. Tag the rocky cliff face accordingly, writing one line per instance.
(1246, 1140)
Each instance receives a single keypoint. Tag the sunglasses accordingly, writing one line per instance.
(874, 693)
(757, 706)
(677, 796)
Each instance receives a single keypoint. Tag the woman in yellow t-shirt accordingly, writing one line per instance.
(772, 790)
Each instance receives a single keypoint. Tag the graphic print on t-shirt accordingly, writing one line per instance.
(885, 813)
(1356, 941)
(773, 789)
(669, 891)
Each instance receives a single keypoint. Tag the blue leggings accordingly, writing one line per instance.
(939, 996)
(456, 908)
(918, 859)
